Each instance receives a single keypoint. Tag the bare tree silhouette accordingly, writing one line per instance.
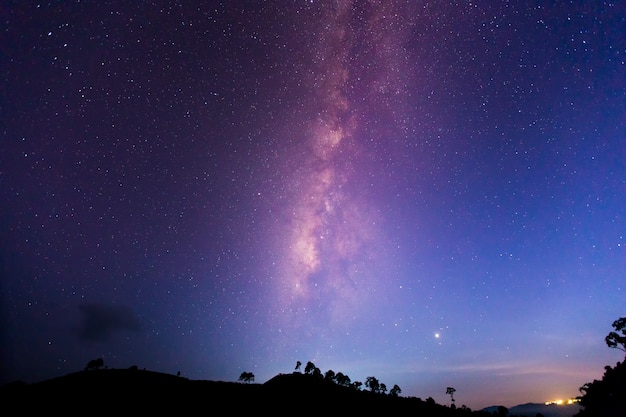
(450, 391)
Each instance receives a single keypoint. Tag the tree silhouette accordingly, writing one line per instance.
(330, 375)
(614, 339)
(309, 368)
(246, 377)
(317, 373)
(607, 397)
(372, 383)
(342, 379)
(450, 391)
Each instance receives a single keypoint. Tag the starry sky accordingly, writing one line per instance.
(428, 192)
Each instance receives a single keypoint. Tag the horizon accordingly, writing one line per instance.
(252, 380)
(556, 401)
(427, 193)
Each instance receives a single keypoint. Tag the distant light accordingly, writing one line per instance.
(562, 402)
(437, 335)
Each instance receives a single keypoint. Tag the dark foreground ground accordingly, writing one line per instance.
(129, 391)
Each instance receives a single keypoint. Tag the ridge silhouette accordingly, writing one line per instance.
(128, 391)
(134, 390)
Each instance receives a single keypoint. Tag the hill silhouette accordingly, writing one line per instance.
(541, 409)
(133, 390)
(102, 391)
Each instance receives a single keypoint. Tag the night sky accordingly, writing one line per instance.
(430, 193)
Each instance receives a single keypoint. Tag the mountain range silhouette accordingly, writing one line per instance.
(105, 391)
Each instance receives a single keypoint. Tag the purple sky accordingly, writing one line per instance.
(431, 193)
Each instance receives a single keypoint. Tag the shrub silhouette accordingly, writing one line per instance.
(94, 364)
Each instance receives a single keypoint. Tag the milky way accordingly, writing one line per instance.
(331, 230)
